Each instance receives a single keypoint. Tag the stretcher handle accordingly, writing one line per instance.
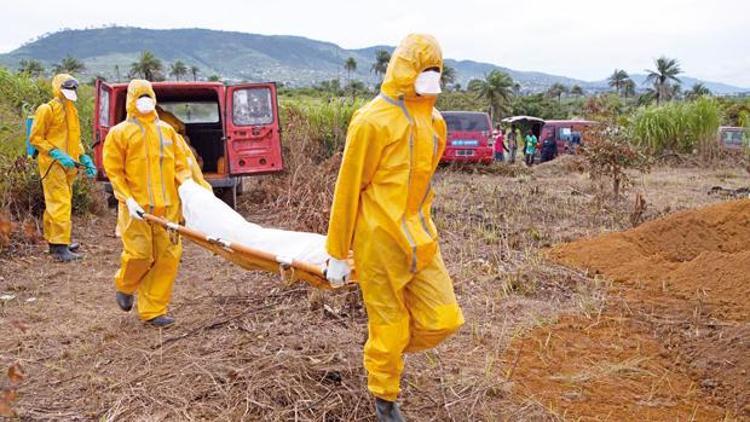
(236, 247)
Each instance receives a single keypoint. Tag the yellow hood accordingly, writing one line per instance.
(415, 54)
(57, 82)
(136, 89)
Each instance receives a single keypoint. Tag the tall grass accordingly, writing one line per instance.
(678, 127)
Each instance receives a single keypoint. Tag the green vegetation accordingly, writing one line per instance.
(70, 65)
(178, 69)
(497, 90)
(664, 79)
(148, 67)
(681, 127)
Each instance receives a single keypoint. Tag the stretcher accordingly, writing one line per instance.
(212, 225)
(248, 258)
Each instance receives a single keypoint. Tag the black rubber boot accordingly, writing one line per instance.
(61, 253)
(387, 411)
(73, 247)
(124, 301)
(161, 321)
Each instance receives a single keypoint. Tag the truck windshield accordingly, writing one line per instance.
(467, 122)
(194, 112)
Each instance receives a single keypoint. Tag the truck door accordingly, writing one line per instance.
(253, 142)
(103, 118)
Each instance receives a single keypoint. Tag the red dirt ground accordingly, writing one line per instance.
(673, 340)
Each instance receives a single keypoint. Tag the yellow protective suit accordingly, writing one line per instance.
(381, 210)
(56, 126)
(144, 161)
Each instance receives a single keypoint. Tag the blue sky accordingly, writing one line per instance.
(584, 39)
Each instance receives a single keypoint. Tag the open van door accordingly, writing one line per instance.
(103, 118)
(253, 142)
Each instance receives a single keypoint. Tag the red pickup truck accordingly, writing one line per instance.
(234, 129)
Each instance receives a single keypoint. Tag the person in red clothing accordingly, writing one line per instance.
(499, 143)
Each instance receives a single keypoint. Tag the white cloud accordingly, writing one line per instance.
(585, 39)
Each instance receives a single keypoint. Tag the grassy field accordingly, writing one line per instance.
(247, 346)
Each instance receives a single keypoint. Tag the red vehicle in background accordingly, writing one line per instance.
(568, 134)
(469, 137)
(234, 129)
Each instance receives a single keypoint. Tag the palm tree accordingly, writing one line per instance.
(618, 79)
(31, 67)
(351, 66)
(628, 88)
(666, 72)
(698, 90)
(447, 76)
(577, 90)
(69, 64)
(178, 69)
(382, 58)
(557, 90)
(194, 70)
(147, 67)
(497, 89)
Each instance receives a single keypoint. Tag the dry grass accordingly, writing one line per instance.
(248, 347)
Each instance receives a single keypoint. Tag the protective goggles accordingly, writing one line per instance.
(70, 84)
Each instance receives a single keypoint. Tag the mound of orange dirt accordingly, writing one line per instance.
(701, 256)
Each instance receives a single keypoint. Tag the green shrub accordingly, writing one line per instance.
(677, 127)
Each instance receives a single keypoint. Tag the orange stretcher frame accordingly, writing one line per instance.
(249, 258)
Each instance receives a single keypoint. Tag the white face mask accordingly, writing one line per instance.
(145, 105)
(428, 83)
(70, 94)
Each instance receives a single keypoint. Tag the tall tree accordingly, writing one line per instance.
(698, 90)
(31, 67)
(194, 70)
(628, 88)
(117, 73)
(448, 76)
(557, 90)
(350, 66)
(496, 89)
(69, 64)
(148, 66)
(382, 58)
(178, 69)
(618, 79)
(663, 76)
(577, 90)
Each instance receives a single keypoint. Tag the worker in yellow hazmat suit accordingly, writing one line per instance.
(146, 164)
(56, 134)
(381, 211)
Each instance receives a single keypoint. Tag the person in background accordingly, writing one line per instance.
(145, 164)
(511, 144)
(381, 211)
(549, 149)
(499, 145)
(56, 135)
(531, 142)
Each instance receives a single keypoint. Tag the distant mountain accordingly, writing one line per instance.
(297, 61)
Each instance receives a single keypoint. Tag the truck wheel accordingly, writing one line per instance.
(229, 195)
